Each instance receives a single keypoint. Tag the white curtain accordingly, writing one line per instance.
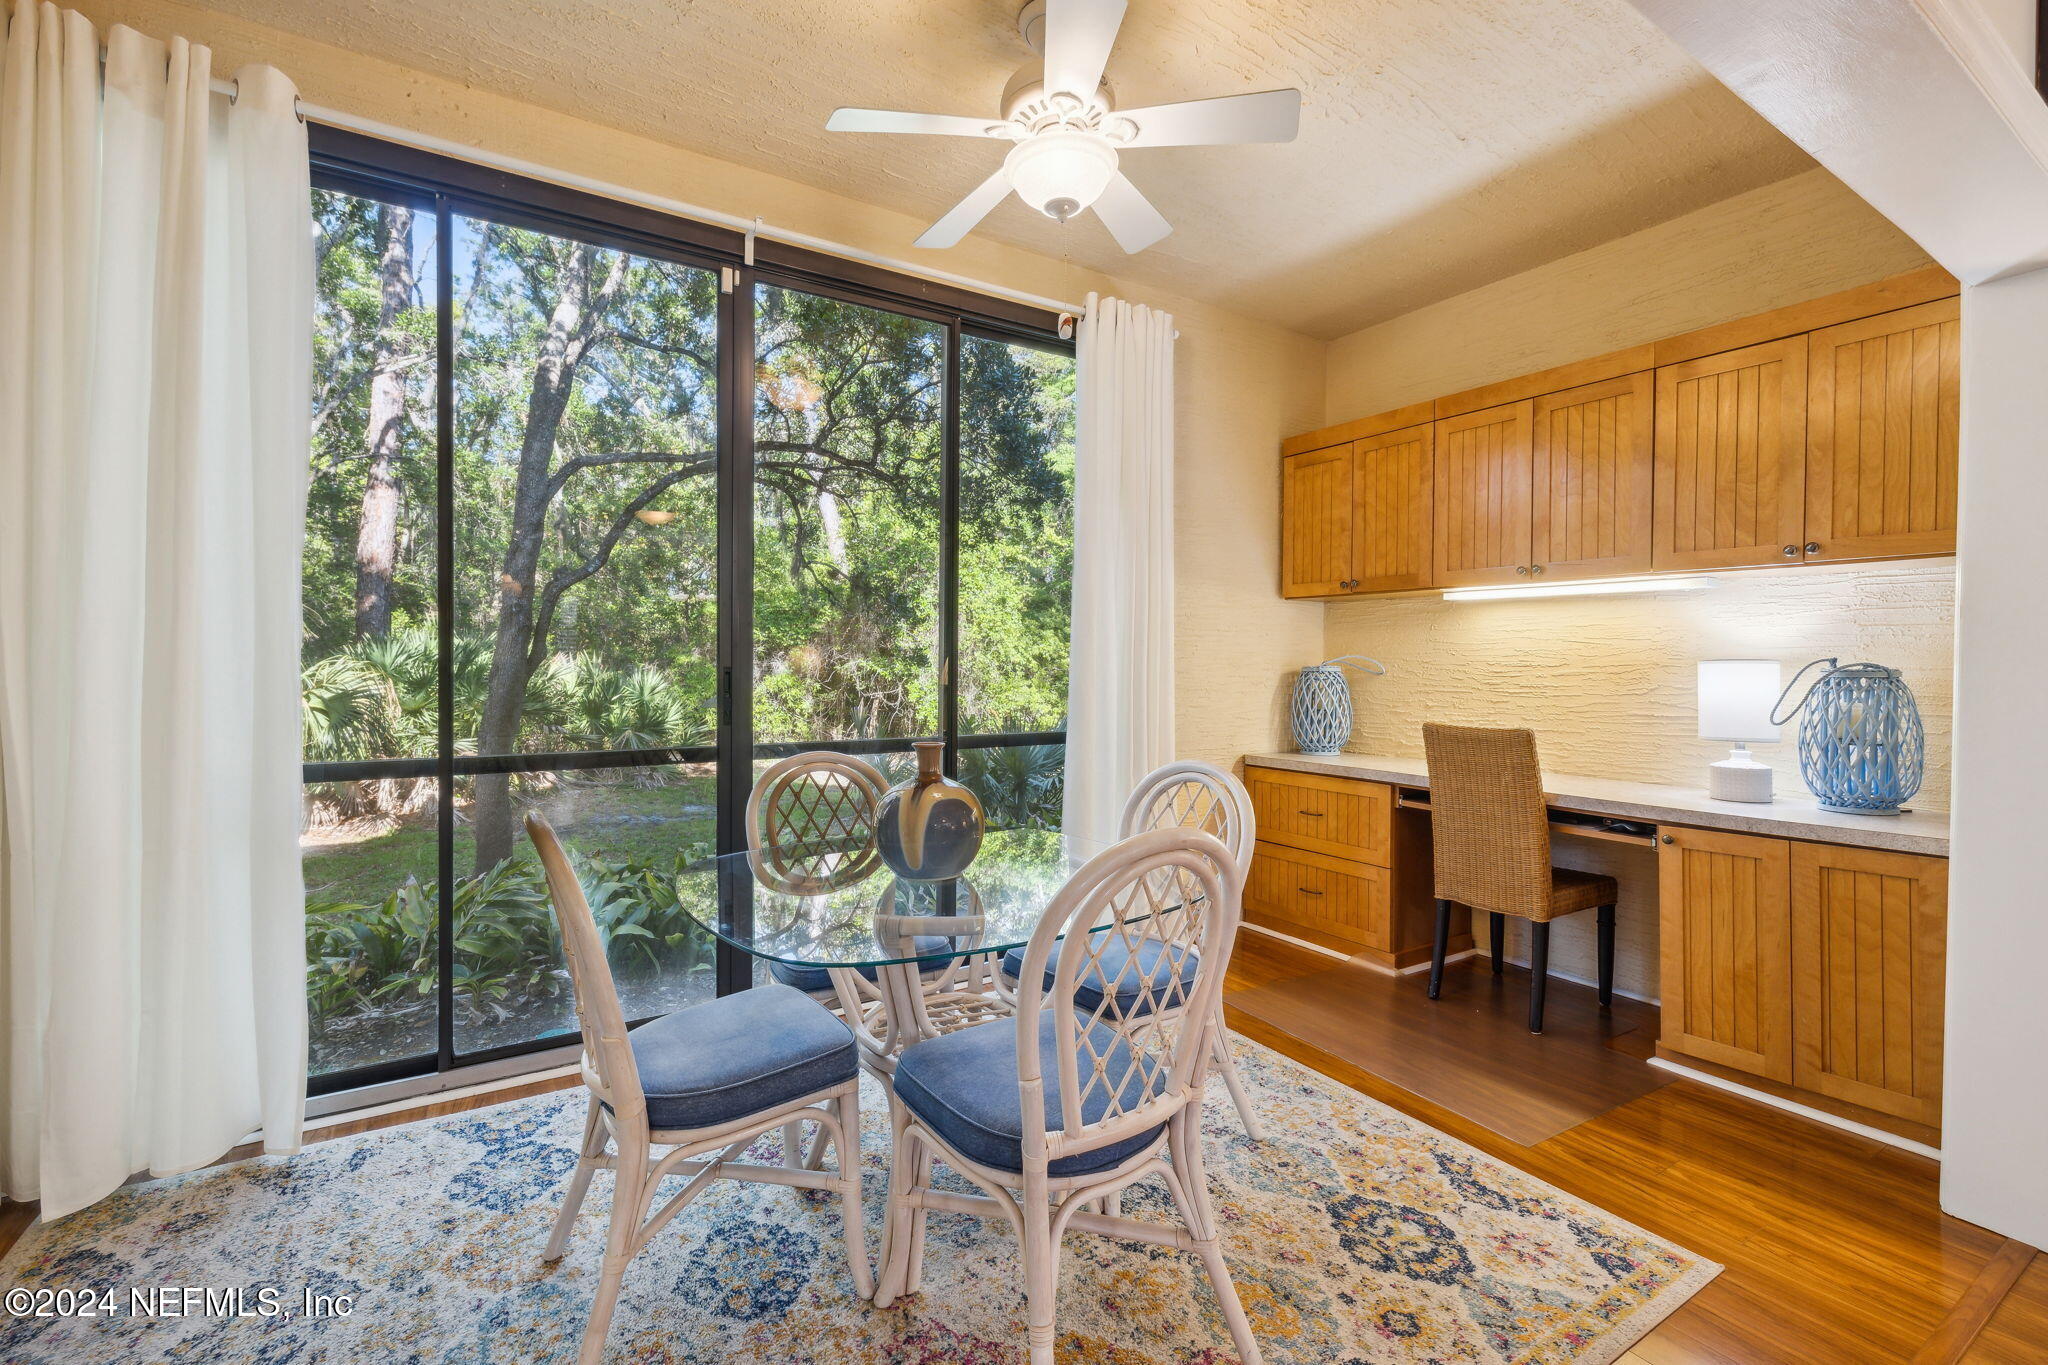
(1120, 680)
(155, 353)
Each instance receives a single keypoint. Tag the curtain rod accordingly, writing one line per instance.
(753, 227)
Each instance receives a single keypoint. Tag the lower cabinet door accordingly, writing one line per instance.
(1869, 936)
(1331, 896)
(1727, 968)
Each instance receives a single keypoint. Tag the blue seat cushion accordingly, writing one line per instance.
(1110, 967)
(964, 1086)
(713, 1063)
(818, 979)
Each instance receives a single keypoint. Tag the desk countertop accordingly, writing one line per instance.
(1788, 817)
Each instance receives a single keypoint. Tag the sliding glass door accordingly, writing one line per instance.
(585, 554)
(591, 511)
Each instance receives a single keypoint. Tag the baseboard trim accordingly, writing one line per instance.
(1360, 961)
(1556, 975)
(399, 1104)
(1904, 1144)
(1297, 942)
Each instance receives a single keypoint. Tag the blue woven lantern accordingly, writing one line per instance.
(1322, 702)
(1862, 749)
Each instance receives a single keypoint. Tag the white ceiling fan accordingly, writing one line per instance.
(1068, 131)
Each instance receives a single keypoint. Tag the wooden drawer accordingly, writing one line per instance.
(1347, 900)
(1340, 816)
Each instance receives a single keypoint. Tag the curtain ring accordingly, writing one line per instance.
(298, 109)
(236, 93)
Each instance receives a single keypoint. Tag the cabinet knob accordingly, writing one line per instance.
(1791, 552)
(1522, 569)
(1535, 568)
(1813, 547)
(1669, 839)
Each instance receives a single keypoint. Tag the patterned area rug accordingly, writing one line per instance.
(1355, 1234)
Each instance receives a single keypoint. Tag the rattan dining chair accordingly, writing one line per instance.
(1182, 794)
(704, 1082)
(1054, 1112)
(811, 827)
(1491, 828)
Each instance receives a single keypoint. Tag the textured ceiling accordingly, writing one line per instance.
(1444, 143)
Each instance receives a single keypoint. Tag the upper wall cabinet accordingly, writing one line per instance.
(1731, 458)
(1881, 434)
(1393, 491)
(1593, 480)
(1316, 552)
(1482, 496)
(1822, 431)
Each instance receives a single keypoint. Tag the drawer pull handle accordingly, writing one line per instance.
(1311, 814)
(1306, 892)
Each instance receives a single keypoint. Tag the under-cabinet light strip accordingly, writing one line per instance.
(1596, 587)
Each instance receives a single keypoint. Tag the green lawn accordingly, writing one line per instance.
(611, 820)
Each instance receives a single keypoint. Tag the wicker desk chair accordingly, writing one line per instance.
(1492, 834)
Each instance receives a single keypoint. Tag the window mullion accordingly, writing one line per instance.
(444, 611)
(949, 555)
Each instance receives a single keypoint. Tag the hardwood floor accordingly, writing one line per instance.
(2017, 1333)
(1835, 1246)
(1455, 1051)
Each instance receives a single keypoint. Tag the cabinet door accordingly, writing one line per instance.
(1345, 900)
(1881, 434)
(1731, 458)
(1869, 942)
(1391, 484)
(1482, 496)
(1727, 967)
(1592, 479)
(1316, 548)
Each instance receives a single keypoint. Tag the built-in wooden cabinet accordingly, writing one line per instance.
(1329, 897)
(1868, 935)
(1333, 815)
(1591, 478)
(1725, 911)
(1882, 435)
(1316, 547)
(1821, 432)
(1393, 487)
(1731, 458)
(1482, 496)
(1321, 865)
(1815, 966)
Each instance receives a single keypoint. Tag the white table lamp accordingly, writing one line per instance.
(1736, 696)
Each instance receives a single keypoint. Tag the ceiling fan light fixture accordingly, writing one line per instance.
(1061, 172)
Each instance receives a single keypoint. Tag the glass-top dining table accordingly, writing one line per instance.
(906, 959)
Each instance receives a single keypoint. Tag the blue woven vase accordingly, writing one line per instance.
(1862, 748)
(1322, 703)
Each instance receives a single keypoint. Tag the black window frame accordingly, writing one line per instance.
(354, 163)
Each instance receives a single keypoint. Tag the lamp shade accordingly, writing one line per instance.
(1736, 697)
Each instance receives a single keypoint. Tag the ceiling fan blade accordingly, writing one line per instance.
(1129, 216)
(1078, 36)
(961, 218)
(1269, 116)
(903, 121)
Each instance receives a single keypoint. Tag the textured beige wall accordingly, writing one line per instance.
(1241, 385)
(1794, 240)
(1609, 686)
(1609, 683)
